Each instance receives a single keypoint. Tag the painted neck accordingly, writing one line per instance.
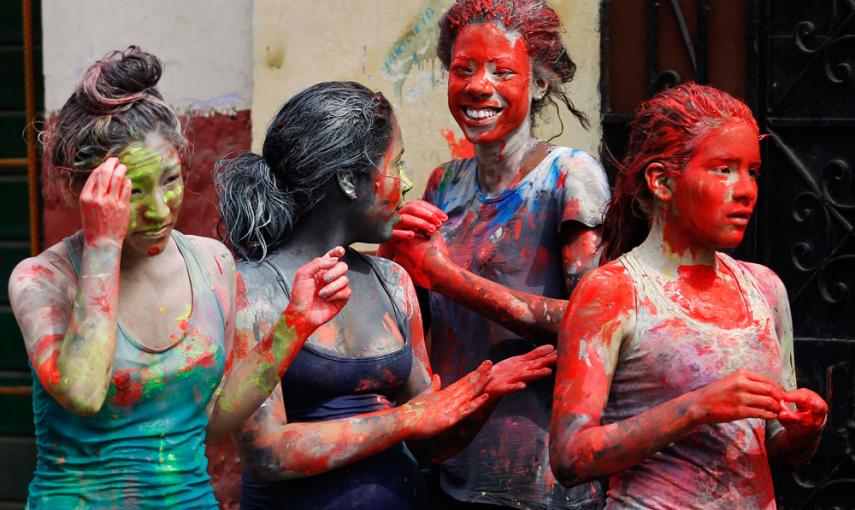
(666, 256)
(318, 233)
(500, 163)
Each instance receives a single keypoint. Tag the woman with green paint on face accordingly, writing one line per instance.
(129, 324)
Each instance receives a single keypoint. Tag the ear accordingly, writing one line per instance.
(539, 87)
(659, 182)
(346, 184)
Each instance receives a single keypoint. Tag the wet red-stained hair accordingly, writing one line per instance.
(540, 28)
(665, 129)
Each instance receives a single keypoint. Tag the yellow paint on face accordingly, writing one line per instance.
(156, 184)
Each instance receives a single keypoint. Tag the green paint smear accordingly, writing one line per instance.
(145, 168)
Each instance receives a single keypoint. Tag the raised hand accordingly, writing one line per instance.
(418, 217)
(320, 289)
(512, 374)
(738, 395)
(424, 257)
(436, 410)
(105, 203)
(810, 414)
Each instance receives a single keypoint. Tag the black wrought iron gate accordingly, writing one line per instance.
(793, 62)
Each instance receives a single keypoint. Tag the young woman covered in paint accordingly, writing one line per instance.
(502, 238)
(330, 174)
(128, 323)
(675, 372)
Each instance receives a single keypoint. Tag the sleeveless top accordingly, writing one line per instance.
(512, 238)
(321, 386)
(722, 465)
(145, 447)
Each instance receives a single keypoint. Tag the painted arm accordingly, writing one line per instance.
(421, 250)
(507, 377)
(320, 290)
(599, 318)
(71, 343)
(794, 437)
(273, 449)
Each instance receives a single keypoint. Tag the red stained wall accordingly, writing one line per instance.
(211, 137)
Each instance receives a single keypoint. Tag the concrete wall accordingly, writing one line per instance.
(206, 46)
(390, 45)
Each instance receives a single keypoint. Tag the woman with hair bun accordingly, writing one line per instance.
(675, 376)
(129, 324)
(332, 435)
(501, 239)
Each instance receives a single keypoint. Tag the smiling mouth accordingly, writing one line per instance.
(480, 115)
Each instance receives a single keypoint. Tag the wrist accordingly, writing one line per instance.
(695, 414)
(296, 320)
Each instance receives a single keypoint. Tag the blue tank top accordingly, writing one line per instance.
(145, 447)
(319, 386)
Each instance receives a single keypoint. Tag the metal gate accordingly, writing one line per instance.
(793, 62)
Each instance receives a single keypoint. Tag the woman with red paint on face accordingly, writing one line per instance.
(675, 374)
(128, 323)
(332, 435)
(502, 238)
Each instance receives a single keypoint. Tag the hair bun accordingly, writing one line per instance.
(118, 80)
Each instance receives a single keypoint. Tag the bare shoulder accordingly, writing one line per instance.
(604, 294)
(216, 257)
(48, 269)
(610, 278)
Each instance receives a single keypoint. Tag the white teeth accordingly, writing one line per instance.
(481, 113)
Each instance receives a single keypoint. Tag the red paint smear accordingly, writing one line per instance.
(154, 250)
(47, 370)
(240, 288)
(219, 267)
(103, 303)
(460, 148)
(128, 391)
(38, 270)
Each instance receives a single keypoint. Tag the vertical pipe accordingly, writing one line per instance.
(30, 100)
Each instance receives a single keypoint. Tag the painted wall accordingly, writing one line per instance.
(206, 48)
(296, 44)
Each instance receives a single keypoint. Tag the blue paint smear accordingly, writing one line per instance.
(506, 208)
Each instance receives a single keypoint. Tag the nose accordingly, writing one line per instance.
(157, 209)
(479, 85)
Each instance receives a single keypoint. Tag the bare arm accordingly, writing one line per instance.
(273, 449)
(71, 343)
(421, 250)
(599, 318)
(793, 437)
(320, 290)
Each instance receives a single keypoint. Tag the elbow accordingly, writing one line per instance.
(84, 406)
(567, 465)
(81, 400)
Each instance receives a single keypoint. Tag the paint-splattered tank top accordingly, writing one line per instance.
(320, 386)
(722, 465)
(145, 447)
